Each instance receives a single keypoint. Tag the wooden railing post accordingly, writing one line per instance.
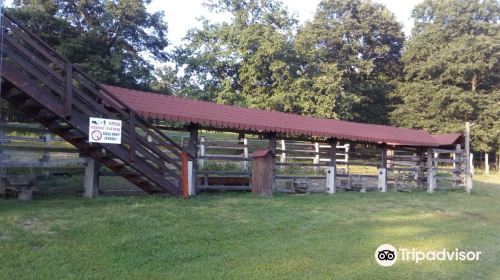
(184, 175)
(132, 135)
(382, 171)
(331, 170)
(68, 98)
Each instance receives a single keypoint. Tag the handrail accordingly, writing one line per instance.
(98, 90)
(69, 92)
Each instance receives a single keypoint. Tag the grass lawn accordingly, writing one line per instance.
(237, 236)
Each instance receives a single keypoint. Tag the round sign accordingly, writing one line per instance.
(96, 135)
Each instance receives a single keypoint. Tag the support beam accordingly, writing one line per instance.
(420, 178)
(91, 178)
(486, 164)
(201, 161)
(471, 163)
(272, 147)
(283, 152)
(469, 170)
(193, 147)
(331, 171)
(316, 155)
(382, 171)
(457, 165)
(431, 176)
(245, 152)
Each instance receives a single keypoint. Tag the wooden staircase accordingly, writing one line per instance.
(42, 83)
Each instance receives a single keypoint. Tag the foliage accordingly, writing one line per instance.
(452, 69)
(108, 39)
(245, 60)
(349, 54)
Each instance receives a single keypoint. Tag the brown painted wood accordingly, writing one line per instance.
(80, 97)
(263, 174)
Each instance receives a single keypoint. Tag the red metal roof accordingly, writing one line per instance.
(261, 153)
(447, 139)
(211, 114)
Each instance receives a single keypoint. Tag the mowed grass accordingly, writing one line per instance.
(238, 236)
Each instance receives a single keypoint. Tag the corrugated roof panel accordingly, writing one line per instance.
(226, 116)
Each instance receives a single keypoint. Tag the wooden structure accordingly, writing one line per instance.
(40, 82)
(53, 92)
(263, 172)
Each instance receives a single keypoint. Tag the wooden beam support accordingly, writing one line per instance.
(468, 156)
(193, 147)
(91, 178)
(431, 176)
(272, 147)
(382, 171)
(331, 170)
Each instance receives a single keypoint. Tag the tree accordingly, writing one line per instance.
(452, 70)
(109, 39)
(243, 61)
(350, 53)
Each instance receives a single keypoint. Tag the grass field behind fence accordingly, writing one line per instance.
(237, 236)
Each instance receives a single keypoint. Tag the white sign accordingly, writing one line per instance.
(105, 131)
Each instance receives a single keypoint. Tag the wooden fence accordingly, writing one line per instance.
(29, 151)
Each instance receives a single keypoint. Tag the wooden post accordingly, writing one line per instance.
(245, 152)
(91, 178)
(201, 161)
(382, 171)
(469, 170)
(431, 177)
(316, 155)
(472, 171)
(272, 147)
(184, 175)
(283, 153)
(262, 172)
(331, 176)
(193, 149)
(347, 146)
(486, 164)
(132, 135)
(457, 166)
(46, 156)
(419, 175)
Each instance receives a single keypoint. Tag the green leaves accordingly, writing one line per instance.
(247, 60)
(336, 66)
(350, 50)
(452, 70)
(108, 39)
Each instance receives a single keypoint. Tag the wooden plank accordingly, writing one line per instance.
(224, 173)
(225, 157)
(223, 188)
(299, 177)
(443, 151)
(51, 149)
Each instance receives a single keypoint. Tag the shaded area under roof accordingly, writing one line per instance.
(213, 115)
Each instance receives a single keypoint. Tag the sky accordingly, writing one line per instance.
(181, 15)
